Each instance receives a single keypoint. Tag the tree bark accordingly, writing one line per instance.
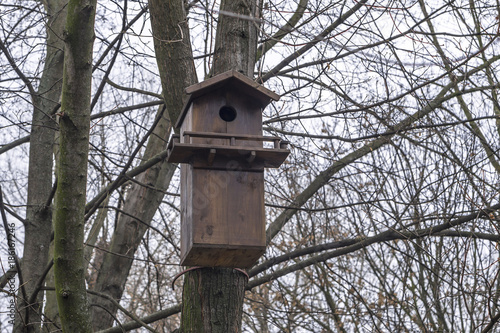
(236, 39)
(213, 297)
(213, 300)
(38, 228)
(173, 52)
(140, 206)
(176, 67)
(69, 266)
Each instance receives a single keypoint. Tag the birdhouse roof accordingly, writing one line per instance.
(233, 79)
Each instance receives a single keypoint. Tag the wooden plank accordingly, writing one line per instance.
(227, 219)
(207, 256)
(238, 136)
(249, 116)
(268, 157)
(226, 163)
(231, 77)
(186, 209)
(187, 125)
(205, 118)
(210, 206)
(246, 222)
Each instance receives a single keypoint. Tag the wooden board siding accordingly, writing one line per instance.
(227, 213)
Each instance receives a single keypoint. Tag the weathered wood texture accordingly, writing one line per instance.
(222, 185)
(225, 83)
(222, 217)
(229, 157)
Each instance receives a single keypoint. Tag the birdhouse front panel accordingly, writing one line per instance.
(248, 116)
(224, 210)
(202, 117)
(224, 111)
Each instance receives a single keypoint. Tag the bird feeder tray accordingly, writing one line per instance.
(247, 158)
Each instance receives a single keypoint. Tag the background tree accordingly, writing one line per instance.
(70, 194)
(44, 100)
(385, 215)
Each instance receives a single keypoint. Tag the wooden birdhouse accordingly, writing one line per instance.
(223, 155)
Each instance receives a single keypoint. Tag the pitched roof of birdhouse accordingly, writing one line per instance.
(229, 78)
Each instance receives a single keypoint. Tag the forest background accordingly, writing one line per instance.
(384, 217)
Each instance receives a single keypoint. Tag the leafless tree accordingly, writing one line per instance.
(383, 218)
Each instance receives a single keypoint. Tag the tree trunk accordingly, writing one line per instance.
(213, 298)
(140, 206)
(236, 39)
(175, 63)
(38, 228)
(69, 266)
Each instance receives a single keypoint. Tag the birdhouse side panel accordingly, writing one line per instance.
(187, 124)
(186, 209)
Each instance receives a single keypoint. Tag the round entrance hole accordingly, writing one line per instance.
(227, 113)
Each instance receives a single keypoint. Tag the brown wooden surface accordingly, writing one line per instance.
(210, 206)
(268, 157)
(220, 162)
(230, 77)
(246, 214)
(222, 188)
(249, 116)
(222, 257)
(205, 118)
(238, 136)
(187, 125)
(186, 208)
(225, 215)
